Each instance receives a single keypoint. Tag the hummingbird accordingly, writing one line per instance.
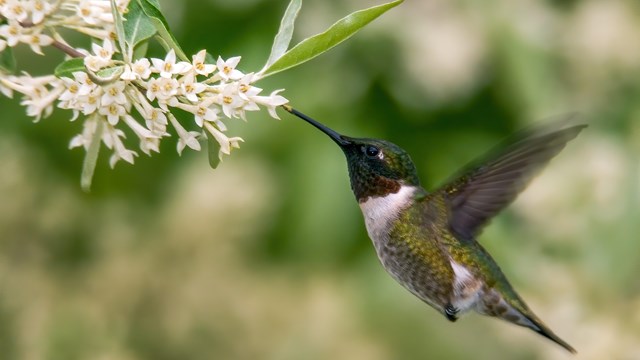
(426, 240)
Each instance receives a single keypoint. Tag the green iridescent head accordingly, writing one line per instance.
(376, 167)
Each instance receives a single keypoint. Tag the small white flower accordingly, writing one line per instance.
(39, 9)
(90, 104)
(271, 102)
(12, 32)
(140, 69)
(162, 88)
(199, 65)
(3, 44)
(245, 89)
(102, 56)
(87, 86)
(114, 93)
(71, 92)
(227, 69)
(168, 67)
(36, 40)
(88, 12)
(202, 112)
(113, 112)
(230, 100)
(191, 88)
(42, 104)
(15, 10)
(157, 116)
(105, 51)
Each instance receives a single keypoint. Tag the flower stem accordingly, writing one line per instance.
(67, 49)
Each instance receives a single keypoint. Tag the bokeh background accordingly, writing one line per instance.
(267, 256)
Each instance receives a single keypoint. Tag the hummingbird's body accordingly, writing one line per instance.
(426, 241)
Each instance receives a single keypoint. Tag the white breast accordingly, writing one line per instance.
(378, 211)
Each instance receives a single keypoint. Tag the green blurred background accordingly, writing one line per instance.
(268, 258)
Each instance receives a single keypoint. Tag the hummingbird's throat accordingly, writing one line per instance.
(379, 186)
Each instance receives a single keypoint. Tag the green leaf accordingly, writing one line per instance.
(8, 61)
(67, 68)
(107, 75)
(117, 19)
(213, 150)
(152, 9)
(140, 51)
(283, 37)
(91, 158)
(340, 31)
(138, 27)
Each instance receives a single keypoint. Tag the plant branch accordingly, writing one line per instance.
(67, 49)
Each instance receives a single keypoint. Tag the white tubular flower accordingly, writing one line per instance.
(203, 112)
(271, 102)
(186, 138)
(4, 89)
(168, 67)
(157, 116)
(227, 69)
(226, 143)
(199, 65)
(39, 93)
(41, 101)
(111, 139)
(158, 129)
(148, 141)
(89, 128)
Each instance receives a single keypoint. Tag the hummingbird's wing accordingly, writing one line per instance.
(494, 180)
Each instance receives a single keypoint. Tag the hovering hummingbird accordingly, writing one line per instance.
(427, 240)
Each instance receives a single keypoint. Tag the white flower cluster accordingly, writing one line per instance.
(27, 20)
(111, 92)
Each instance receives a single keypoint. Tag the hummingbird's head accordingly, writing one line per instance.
(376, 167)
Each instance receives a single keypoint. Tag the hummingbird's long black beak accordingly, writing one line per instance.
(335, 136)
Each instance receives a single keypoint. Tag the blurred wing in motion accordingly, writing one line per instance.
(493, 181)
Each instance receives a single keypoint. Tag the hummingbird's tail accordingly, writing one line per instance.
(543, 330)
(517, 312)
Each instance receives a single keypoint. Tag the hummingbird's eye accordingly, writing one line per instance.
(371, 151)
